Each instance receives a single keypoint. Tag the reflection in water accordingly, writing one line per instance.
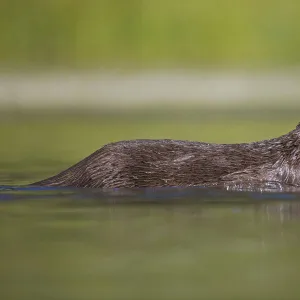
(148, 244)
(285, 211)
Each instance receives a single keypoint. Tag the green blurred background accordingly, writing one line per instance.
(139, 33)
(75, 75)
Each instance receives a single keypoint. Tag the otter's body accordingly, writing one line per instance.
(158, 163)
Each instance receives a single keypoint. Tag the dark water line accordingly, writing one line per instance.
(143, 195)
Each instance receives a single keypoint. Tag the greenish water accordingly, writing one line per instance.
(139, 244)
(68, 248)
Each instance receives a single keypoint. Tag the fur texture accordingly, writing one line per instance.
(159, 163)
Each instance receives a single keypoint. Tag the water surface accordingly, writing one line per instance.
(171, 243)
(148, 244)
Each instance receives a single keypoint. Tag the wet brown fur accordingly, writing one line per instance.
(159, 163)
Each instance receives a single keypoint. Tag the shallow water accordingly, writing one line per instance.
(170, 243)
(194, 243)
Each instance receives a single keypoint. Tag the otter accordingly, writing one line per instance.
(167, 163)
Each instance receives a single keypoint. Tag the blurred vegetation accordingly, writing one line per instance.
(106, 33)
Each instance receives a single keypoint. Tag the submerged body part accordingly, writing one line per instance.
(161, 163)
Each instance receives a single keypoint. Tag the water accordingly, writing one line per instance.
(173, 243)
